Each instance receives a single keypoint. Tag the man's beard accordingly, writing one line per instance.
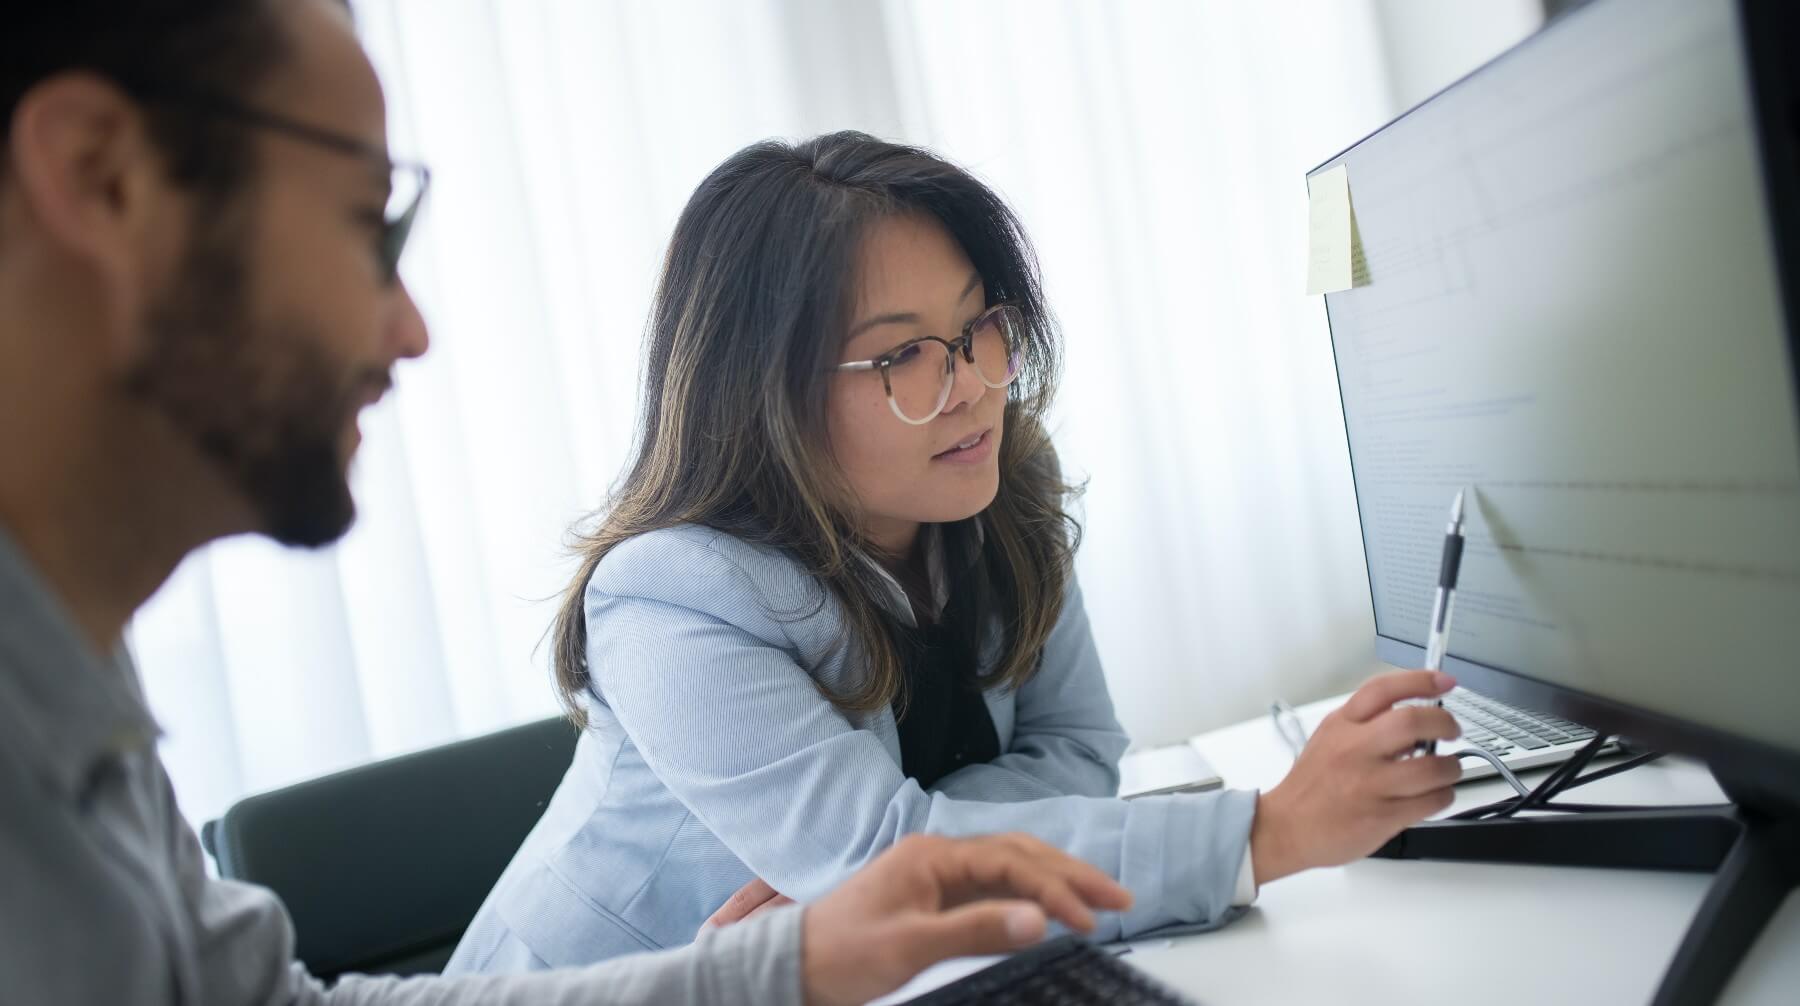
(264, 402)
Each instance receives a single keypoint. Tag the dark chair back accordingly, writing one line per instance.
(383, 866)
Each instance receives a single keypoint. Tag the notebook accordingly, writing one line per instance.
(1177, 768)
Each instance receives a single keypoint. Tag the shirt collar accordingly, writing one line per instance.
(66, 708)
(931, 539)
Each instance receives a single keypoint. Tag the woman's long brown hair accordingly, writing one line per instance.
(755, 294)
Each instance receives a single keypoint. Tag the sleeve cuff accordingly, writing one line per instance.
(757, 960)
(1245, 892)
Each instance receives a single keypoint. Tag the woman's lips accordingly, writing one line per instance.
(973, 454)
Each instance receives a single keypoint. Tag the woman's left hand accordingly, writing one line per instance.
(754, 897)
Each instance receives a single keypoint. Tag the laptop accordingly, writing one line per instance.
(1521, 738)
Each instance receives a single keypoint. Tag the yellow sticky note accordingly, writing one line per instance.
(1334, 257)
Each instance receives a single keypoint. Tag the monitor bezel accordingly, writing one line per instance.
(1751, 766)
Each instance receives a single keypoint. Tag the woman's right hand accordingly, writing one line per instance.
(1356, 783)
(750, 900)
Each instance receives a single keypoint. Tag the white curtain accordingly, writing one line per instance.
(1155, 151)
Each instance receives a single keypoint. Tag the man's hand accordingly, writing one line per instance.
(1355, 784)
(930, 898)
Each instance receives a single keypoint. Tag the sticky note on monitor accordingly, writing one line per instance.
(1334, 252)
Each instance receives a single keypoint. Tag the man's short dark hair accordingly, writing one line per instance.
(153, 49)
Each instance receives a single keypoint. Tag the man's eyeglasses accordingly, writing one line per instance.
(407, 180)
(918, 378)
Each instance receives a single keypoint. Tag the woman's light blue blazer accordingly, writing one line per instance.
(711, 758)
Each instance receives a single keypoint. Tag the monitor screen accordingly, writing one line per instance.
(1571, 306)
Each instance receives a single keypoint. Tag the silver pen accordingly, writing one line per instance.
(1438, 638)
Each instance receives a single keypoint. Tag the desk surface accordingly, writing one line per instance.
(1396, 931)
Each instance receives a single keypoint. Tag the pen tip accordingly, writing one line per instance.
(1456, 508)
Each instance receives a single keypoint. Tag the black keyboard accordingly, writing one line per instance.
(1066, 971)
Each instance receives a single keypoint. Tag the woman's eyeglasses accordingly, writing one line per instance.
(918, 377)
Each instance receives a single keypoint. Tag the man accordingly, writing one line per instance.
(197, 297)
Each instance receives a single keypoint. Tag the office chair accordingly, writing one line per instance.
(383, 866)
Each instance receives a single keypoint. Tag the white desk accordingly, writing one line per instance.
(1410, 931)
(1396, 932)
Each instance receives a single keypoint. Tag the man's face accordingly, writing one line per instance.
(280, 324)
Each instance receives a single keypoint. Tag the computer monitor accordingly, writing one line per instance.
(1578, 298)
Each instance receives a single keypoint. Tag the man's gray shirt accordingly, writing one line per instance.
(104, 897)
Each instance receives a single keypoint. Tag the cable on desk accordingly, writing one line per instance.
(1553, 783)
(1556, 780)
(1598, 774)
(1499, 766)
(1563, 779)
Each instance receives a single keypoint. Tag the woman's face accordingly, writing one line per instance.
(913, 280)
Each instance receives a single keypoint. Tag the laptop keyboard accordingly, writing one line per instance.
(1502, 729)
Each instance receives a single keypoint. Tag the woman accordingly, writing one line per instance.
(832, 603)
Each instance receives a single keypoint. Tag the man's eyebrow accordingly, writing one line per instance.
(908, 317)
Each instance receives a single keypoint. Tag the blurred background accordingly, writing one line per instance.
(1155, 151)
